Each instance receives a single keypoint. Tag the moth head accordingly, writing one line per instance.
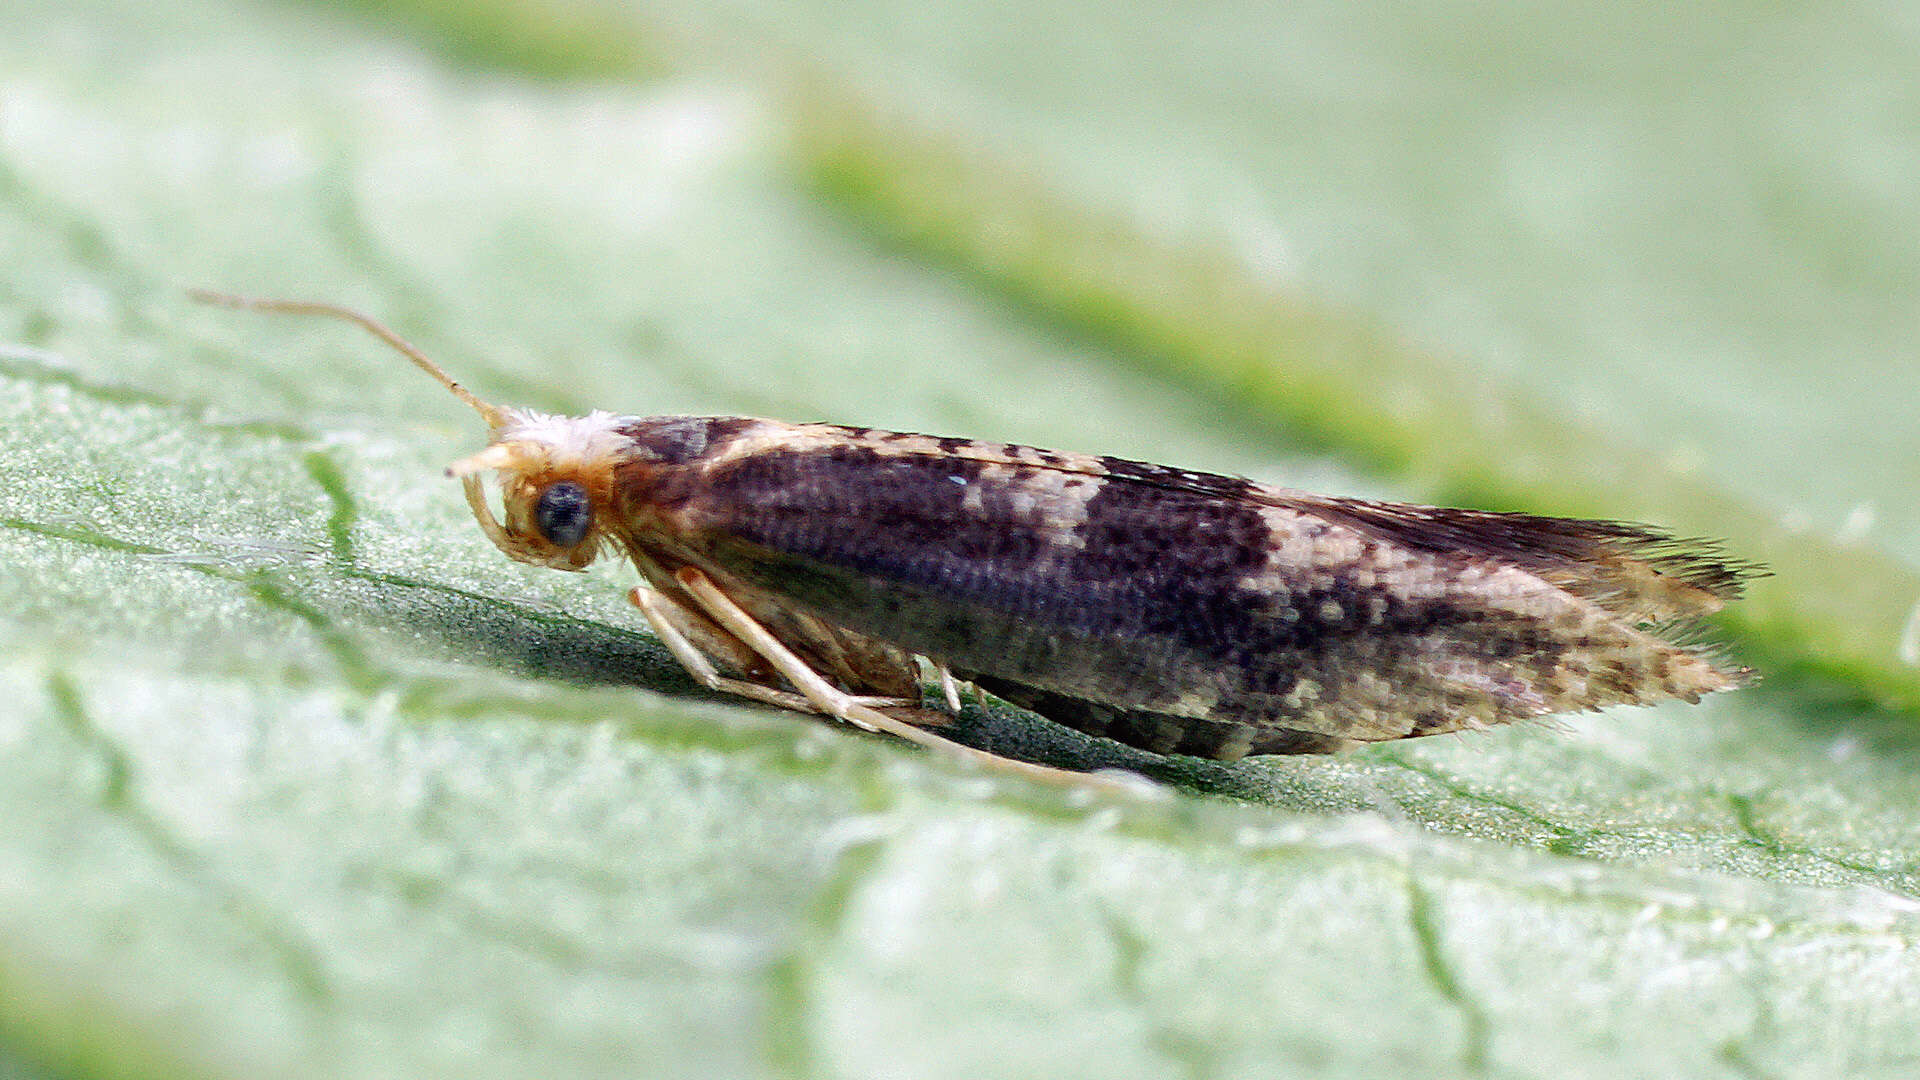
(555, 471)
(556, 481)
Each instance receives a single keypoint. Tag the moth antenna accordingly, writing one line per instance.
(493, 414)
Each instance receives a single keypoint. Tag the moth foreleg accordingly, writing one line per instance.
(819, 694)
(694, 641)
(950, 689)
(822, 696)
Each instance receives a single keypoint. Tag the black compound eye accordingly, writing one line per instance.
(563, 514)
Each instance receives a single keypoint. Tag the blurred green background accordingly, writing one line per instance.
(300, 778)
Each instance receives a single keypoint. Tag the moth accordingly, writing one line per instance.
(815, 567)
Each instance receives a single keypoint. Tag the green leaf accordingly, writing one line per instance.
(303, 779)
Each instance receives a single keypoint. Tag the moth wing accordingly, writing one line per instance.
(1194, 597)
(1640, 573)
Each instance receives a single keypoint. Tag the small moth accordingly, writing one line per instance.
(812, 566)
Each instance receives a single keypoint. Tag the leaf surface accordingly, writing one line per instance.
(303, 779)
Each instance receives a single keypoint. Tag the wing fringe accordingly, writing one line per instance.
(1639, 572)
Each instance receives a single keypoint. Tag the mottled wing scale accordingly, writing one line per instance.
(1175, 610)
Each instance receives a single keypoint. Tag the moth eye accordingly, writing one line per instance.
(563, 514)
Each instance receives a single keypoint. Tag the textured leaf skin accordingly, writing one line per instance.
(302, 781)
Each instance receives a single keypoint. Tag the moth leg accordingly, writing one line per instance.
(676, 627)
(949, 688)
(822, 696)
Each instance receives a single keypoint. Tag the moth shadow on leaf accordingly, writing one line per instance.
(519, 638)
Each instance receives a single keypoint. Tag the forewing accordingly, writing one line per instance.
(1183, 594)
